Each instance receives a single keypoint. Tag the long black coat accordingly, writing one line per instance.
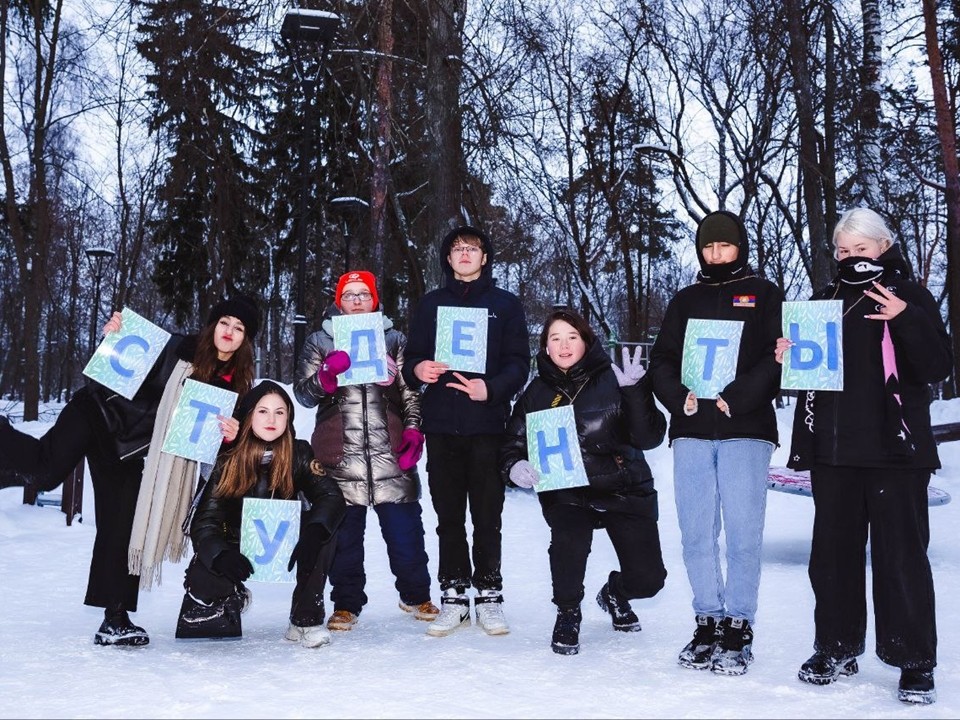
(216, 524)
(853, 427)
(614, 426)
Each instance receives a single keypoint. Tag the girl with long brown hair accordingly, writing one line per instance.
(264, 462)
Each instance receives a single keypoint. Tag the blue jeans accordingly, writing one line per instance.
(726, 479)
(402, 528)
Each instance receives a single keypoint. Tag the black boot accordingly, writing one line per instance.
(823, 669)
(214, 621)
(610, 601)
(566, 631)
(116, 629)
(916, 686)
(734, 650)
(699, 651)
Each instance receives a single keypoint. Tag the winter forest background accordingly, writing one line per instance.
(586, 137)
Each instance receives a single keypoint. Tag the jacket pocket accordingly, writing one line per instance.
(327, 439)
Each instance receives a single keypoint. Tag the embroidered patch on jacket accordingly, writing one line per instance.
(317, 468)
(744, 301)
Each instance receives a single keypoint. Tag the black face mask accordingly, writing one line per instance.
(721, 272)
(858, 270)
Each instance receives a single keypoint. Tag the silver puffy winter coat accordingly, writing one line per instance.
(359, 426)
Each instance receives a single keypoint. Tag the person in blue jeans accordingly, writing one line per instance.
(722, 446)
(368, 439)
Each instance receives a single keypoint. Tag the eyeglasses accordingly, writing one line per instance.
(468, 249)
(356, 297)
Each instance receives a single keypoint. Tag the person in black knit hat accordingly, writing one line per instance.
(116, 436)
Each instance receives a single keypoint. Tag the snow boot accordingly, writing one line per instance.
(822, 669)
(566, 631)
(489, 608)
(699, 652)
(734, 651)
(916, 686)
(308, 637)
(454, 613)
(116, 629)
(622, 615)
(219, 620)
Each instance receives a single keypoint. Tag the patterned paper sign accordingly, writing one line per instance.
(269, 530)
(462, 338)
(194, 431)
(710, 352)
(554, 449)
(815, 362)
(361, 337)
(123, 359)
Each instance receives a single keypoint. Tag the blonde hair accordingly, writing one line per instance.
(865, 223)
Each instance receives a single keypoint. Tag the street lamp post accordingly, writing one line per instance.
(311, 29)
(97, 257)
(343, 205)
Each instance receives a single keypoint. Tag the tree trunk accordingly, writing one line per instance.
(444, 156)
(383, 119)
(869, 146)
(947, 132)
(821, 261)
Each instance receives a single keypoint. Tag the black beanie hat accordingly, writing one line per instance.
(242, 307)
(721, 226)
(265, 387)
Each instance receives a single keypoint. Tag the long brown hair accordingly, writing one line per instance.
(207, 365)
(242, 463)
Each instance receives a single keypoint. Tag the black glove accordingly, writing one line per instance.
(307, 547)
(233, 565)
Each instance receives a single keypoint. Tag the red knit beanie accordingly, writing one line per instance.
(358, 276)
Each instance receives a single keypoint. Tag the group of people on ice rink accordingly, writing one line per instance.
(869, 449)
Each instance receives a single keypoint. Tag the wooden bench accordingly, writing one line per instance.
(70, 498)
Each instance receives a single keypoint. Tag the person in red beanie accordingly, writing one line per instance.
(368, 439)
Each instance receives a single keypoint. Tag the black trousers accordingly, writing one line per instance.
(635, 539)
(79, 432)
(306, 606)
(890, 505)
(463, 470)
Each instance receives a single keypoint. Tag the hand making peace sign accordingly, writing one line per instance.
(891, 304)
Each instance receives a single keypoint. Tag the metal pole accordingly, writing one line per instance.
(300, 320)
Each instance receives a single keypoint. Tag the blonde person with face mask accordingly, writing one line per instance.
(722, 446)
(266, 461)
(870, 452)
(368, 438)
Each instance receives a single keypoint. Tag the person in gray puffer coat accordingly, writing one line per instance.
(368, 439)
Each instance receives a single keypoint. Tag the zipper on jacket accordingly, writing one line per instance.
(366, 444)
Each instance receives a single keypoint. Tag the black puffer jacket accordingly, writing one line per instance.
(614, 426)
(216, 523)
(852, 428)
(130, 422)
(449, 411)
(738, 295)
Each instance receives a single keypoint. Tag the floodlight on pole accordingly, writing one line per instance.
(311, 30)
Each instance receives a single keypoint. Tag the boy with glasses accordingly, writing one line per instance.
(464, 417)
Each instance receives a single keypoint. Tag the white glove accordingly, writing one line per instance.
(633, 369)
(523, 474)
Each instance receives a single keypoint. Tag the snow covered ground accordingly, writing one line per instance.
(387, 667)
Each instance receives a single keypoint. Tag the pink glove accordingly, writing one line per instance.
(391, 372)
(335, 363)
(411, 447)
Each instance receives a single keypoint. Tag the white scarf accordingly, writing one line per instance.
(165, 494)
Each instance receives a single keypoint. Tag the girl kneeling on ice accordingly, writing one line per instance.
(266, 462)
